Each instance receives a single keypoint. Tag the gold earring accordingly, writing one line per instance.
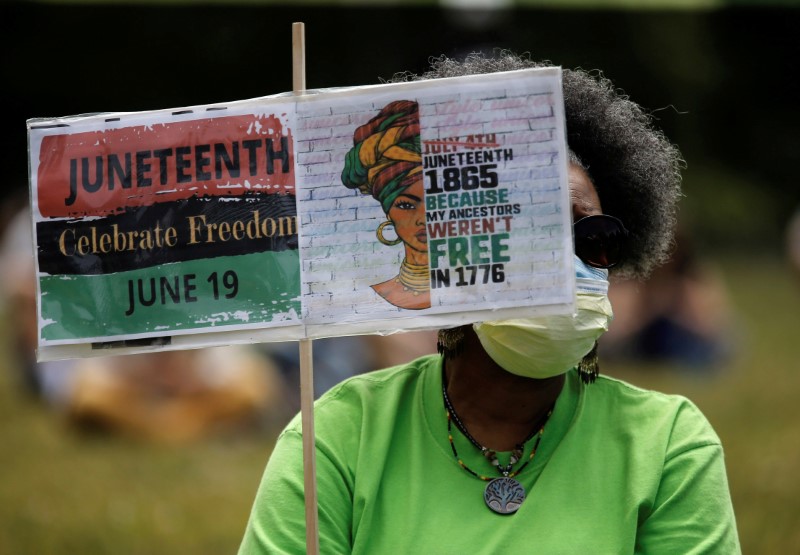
(450, 342)
(382, 239)
(589, 366)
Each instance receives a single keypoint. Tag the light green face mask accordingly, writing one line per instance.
(546, 346)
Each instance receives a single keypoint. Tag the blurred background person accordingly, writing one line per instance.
(681, 315)
(18, 304)
(177, 396)
(164, 396)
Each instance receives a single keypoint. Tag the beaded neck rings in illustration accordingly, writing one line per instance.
(386, 162)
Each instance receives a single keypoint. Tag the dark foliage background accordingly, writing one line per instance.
(722, 83)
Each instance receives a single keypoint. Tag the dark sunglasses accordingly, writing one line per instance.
(600, 240)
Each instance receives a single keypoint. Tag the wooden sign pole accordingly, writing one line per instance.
(306, 352)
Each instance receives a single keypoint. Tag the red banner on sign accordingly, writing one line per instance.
(102, 172)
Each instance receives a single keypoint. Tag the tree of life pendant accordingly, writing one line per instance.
(504, 495)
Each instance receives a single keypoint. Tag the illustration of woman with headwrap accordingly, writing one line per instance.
(386, 162)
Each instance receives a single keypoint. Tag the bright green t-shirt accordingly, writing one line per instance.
(618, 470)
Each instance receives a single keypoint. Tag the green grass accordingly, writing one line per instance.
(61, 492)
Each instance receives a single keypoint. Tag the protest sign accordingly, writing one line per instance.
(161, 224)
(363, 210)
(433, 203)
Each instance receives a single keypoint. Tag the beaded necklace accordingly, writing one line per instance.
(503, 495)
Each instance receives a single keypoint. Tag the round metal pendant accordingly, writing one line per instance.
(504, 495)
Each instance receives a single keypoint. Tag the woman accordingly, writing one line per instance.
(509, 442)
(385, 162)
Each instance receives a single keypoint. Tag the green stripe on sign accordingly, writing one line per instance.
(224, 291)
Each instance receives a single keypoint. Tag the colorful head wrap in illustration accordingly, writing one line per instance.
(386, 157)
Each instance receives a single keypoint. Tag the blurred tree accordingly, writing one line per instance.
(721, 82)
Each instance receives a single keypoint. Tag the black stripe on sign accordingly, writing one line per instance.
(167, 232)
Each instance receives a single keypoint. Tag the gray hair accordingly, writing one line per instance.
(634, 168)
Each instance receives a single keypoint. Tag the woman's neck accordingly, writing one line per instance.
(498, 408)
(416, 257)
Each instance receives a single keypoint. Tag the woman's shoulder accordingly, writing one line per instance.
(643, 411)
(625, 394)
(382, 391)
(386, 379)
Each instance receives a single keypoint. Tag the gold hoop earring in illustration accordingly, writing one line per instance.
(382, 239)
